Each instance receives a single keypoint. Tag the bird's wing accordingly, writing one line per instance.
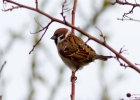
(75, 52)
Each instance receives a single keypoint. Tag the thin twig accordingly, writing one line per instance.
(64, 10)
(125, 2)
(129, 19)
(2, 66)
(137, 64)
(73, 15)
(62, 13)
(38, 23)
(10, 9)
(36, 2)
(101, 34)
(122, 50)
(41, 37)
(40, 26)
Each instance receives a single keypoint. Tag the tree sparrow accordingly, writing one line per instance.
(74, 52)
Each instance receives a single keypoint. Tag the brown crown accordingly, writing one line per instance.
(60, 31)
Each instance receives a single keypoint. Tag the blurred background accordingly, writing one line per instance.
(43, 76)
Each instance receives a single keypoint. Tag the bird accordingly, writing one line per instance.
(73, 51)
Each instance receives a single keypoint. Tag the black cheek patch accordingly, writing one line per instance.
(55, 41)
(62, 37)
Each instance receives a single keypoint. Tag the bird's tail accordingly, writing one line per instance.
(104, 58)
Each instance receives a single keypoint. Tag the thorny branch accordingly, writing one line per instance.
(133, 66)
(125, 2)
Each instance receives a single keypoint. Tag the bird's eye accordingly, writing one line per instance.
(62, 36)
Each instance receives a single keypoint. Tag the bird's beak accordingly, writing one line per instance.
(53, 37)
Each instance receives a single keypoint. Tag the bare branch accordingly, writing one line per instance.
(40, 26)
(128, 19)
(137, 64)
(10, 9)
(120, 52)
(2, 66)
(38, 23)
(39, 30)
(124, 2)
(41, 36)
(64, 10)
(101, 34)
(73, 14)
(73, 77)
(36, 2)
(62, 13)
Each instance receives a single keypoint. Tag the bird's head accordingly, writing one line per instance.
(60, 35)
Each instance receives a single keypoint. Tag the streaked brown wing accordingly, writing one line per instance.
(81, 54)
(74, 48)
(74, 52)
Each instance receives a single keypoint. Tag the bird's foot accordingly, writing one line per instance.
(73, 77)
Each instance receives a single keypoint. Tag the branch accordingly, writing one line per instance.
(45, 28)
(81, 31)
(73, 77)
(10, 9)
(101, 34)
(128, 19)
(2, 66)
(73, 15)
(1, 70)
(63, 10)
(36, 2)
(124, 2)
(120, 52)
